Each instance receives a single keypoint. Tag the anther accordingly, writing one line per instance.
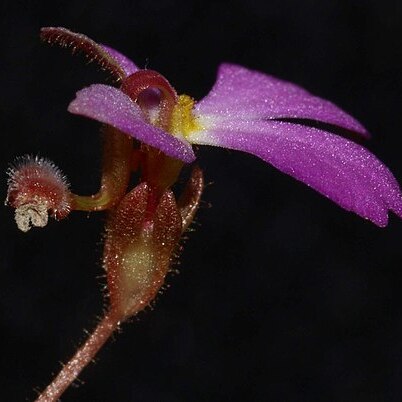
(36, 188)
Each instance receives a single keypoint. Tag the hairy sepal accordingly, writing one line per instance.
(140, 241)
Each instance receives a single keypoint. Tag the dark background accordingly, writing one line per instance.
(282, 296)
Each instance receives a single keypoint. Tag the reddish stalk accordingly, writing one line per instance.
(85, 354)
(81, 43)
(116, 170)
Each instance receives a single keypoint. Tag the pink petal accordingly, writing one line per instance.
(111, 106)
(342, 170)
(240, 94)
(125, 63)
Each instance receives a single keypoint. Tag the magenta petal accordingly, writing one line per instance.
(342, 170)
(111, 106)
(125, 63)
(240, 94)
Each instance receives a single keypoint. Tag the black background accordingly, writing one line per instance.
(282, 296)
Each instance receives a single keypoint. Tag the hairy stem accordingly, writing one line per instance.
(85, 354)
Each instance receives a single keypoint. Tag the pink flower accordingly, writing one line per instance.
(252, 112)
(149, 130)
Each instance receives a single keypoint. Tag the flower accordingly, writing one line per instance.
(252, 112)
(150, 130)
